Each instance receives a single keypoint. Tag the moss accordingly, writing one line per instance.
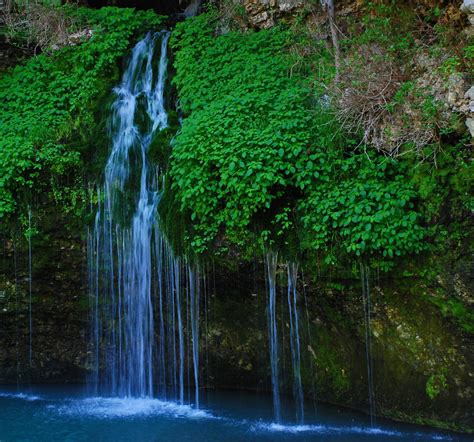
(456, 310)
(333, 373)
(435, 384)
(432, 422)
(160, 147)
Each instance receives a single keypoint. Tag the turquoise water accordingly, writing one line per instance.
(65, 413)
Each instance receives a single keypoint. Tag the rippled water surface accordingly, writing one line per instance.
(67, 414)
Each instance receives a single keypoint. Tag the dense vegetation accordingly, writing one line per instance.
(48, 109)
(260, 157)
(274, 153)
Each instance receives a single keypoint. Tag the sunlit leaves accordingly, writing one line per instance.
(365, 208)
(44, 101)
(253, 156)
(246, 123)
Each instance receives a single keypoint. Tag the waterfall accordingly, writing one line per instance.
(137, 286)
(295, 340)
(159, 292)
(30, 288)
(123, 246)
(177, 274)
(271, 261)
(194, 291)
(310, 343)
(271, 265)
(17, 329)
(364, 274)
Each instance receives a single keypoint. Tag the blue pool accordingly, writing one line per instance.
(66, 413)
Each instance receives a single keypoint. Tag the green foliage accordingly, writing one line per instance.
(49, 102)
(469, 53)
(363, 207)
(255, 160)
(450, 66)
(452, 308)
(246, 124)
(435, 384)
(446, 191)
(401, 96)
(384, 24)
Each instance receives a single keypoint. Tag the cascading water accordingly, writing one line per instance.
(271, 266)
(135, 279)
(271, 261)
(17, 328)
(364, 274)
(30, 289)
(177, 274)
(310, 343)
(295, 340)
(194, 292)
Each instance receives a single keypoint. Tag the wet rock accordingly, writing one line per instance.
(468, 6)
(80, 36)
(470, 126)
(192, 9)
(264, 14)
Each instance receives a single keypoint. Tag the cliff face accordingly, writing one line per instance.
(452, 89)
(422, 354)
(423, 363)
(59, 307)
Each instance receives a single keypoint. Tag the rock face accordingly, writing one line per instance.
(423, 361)
(192, 9)
(9, 55)
(263, 14)
(59, 309)
(468, 8)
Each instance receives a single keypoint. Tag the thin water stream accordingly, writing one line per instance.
(271, 260)
(364, 273)
(30, 290)
(295, 340)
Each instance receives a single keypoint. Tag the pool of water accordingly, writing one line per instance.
(66, 413)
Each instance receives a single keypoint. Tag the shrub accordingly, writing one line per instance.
(48, 104)
(256, 159)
